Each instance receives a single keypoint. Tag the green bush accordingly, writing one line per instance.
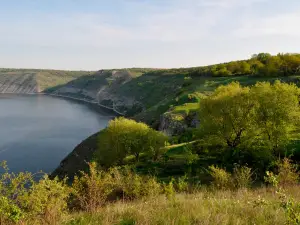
(94, 189)
(242, 176)
(133, 186)
(221, 178)
(46, 200)
(91, 190)
(287, 173)
(24, 200)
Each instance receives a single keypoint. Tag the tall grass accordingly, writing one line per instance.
(260, 206)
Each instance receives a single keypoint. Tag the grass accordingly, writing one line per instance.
(259, 206)
(186, 108)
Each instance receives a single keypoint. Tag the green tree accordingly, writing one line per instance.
(125, 137)
(156, 140)
(264, 115)
(277, 112)
(245, 68)
(226, 115)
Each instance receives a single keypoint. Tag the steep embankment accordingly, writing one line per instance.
(19, 83)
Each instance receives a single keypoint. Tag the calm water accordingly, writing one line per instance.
(37, 132)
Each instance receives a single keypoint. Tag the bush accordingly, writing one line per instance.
(90, 190)
(242, 176)
(46, 200)
(221, 178)
(9, 212)
(287, 173)
(94, 189)
(25, 200)
(169, 190)
(133, 186)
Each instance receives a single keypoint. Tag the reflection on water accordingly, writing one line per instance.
(37, 131)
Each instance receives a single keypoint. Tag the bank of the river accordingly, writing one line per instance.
(87, 101)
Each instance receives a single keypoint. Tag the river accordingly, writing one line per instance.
(38, 131)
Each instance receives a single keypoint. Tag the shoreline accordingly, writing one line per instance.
(87, 101)
(73, 98)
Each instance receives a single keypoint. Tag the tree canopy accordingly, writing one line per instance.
(261, 115)
(125, 137)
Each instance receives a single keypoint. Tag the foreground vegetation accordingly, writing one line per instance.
(237, 165)
(120, 196)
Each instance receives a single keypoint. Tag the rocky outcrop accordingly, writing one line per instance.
(175, 123)
(18, 83)
(172, 124)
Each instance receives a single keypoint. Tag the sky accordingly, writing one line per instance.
(102, 34)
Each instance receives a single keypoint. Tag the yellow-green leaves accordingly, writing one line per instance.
(125, 137)
(264, 113)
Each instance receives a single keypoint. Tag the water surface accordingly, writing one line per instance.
(38, 131)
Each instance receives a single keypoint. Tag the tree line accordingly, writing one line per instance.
(262, 64)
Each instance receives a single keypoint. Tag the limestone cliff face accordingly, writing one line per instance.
(18, 83)
(100, 88)
(174, 124)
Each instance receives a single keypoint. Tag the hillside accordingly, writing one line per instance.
(226, 139)
(165, 99)
(147, 93)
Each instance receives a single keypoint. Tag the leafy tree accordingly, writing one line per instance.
(226, 115)
(245, 68)
(264, 115)
(262, 57)
(277, 112)
(125, 137)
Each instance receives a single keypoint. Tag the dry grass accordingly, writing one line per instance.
(260, 206)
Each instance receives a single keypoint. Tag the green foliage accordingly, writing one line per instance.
(9, 212)
(263, 115)
(291, 209)
(125, 137)
(242, 177)
(90, 190)
(287, 173)
(271, 178)
(47, 200)
(94, 189)
(221, 178)
(169, 190)
(226, 115)
(23, 199)
(134, 186)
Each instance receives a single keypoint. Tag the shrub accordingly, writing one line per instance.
(46, 200)
(287, 173)
(134, 186)
(242, 176)
(23, 199)
(271, 178)
(9, 212)
(221, 178)
(182, 184)
(169, 190)
(94, 189)
(91, 190)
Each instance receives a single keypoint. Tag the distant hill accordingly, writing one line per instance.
(145, 93)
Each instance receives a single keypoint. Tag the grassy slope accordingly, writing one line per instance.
(260, 206)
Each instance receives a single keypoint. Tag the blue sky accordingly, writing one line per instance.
(95, 34)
